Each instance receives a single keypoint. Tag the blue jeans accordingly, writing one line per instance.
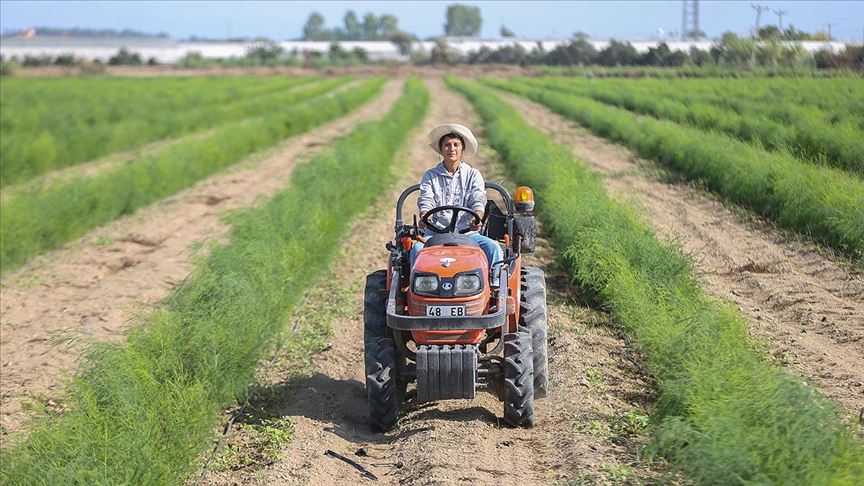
(489, 246)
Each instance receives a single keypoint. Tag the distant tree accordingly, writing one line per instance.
(463, 21)
(192, 59)
(267, 53)
(314, 27)
(728, 37)
(820, 36)
(733, 50)
(125, 58)
(32, 61)
(769, 32)
(792, 33)
(388, 25)
(65, 60)
(699, 57)
(661, 55)
(618, 54)
(336, 52)
(353, 30)
(850, 57)
(578, 51)
(505, 32)
(515, 54)
(370, 26)
(403, 41)
(360, 54)
(443, 53)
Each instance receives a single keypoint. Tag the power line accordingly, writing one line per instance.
(780, 14)
(830, 24)
(759, 9)
(689, 19)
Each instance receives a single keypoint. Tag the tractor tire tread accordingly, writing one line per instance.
(375, 306)
(518, 380)
(380, 358)
(533, 318)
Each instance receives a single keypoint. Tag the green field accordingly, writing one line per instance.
(824, 203)
(787, 153)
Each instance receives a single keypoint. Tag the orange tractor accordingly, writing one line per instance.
(455, 322)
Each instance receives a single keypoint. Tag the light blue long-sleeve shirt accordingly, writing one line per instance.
(464, 188)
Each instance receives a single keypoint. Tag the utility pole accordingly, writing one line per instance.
(684, 14)
(829, 24)
(759, 9)
(689, 18)
(780, 14)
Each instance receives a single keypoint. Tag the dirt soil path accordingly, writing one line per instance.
(806, 307)
(91, 289)
(589, 427)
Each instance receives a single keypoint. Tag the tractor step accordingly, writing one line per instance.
(446, 371)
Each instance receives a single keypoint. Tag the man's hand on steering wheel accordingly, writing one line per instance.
(454, 218)
(476, 223)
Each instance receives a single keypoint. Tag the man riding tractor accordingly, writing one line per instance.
(455, 310)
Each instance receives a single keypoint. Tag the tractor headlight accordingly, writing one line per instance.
(467, 284)
(425, 284)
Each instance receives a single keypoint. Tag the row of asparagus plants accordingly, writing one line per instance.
(724, 415)
(693, 71)
(822, 202)
(25, 154)
(141, 412)
(808, 136)
(53, 105)
(840, 97)
(843, 95)
(46, 103)
(43, 218)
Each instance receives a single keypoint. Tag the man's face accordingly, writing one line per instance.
(451, 149)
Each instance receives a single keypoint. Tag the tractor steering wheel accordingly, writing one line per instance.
(454, 218)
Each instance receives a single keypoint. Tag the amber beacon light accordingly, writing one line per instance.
(524, 199)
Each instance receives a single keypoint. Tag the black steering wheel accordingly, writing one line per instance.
(454, 218)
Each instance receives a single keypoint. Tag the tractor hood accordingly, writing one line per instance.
(447, 261)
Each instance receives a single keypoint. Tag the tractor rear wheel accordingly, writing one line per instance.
(375, 306)
(533, 318)
(381, 372)
(518, 379)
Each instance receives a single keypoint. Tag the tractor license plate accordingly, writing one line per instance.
(445, 311)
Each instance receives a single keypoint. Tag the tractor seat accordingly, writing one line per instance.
(450, 239)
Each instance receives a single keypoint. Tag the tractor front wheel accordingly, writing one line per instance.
(518, 379)
(533, 318)
(380, 357)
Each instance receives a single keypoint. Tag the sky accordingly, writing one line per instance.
(534, 19)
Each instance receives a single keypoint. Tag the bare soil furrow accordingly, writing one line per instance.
(808, 308)
(589, 427)
(91, 289)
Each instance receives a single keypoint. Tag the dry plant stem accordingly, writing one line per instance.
(92, 286)
(808, 309)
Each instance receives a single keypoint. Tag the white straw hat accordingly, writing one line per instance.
(448, 128)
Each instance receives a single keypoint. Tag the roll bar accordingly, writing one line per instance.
(511, 210)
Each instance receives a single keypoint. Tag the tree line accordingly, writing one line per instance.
(461, 21)
(731, 51)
